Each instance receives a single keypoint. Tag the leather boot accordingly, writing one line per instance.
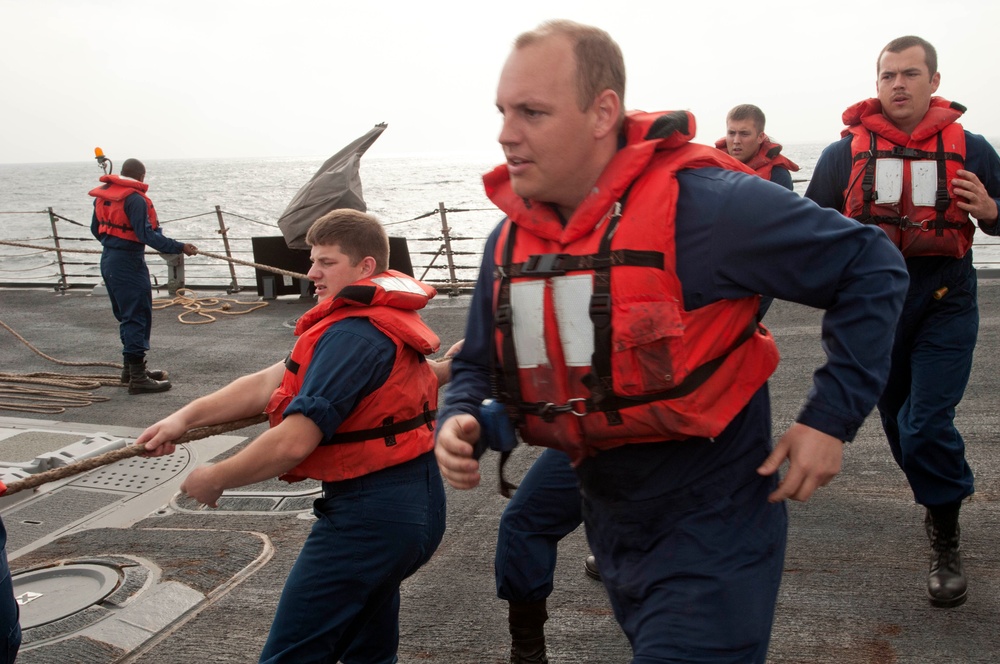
(155, 374)
(140, 382)
(591, 569)
(946, 584)
(527, 632)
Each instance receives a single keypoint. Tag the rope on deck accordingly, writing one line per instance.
(68, 390)
(123, 453)
(204, 307)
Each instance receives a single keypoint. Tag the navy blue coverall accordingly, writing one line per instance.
(690, 551)
(934, 343)
(126, 276)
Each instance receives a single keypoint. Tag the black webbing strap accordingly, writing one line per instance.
(554, 265)
(506, 488)
(291, 366)
(600, 381)
(389, 429)
(505, 380)
(868, 181)
(510, 392)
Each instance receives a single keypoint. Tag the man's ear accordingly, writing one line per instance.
(607, 111)
(368, 263)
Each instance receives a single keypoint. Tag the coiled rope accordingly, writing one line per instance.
(56, 400)
(126, 452)
(204, 307)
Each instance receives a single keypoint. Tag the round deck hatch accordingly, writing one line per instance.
(50, 594)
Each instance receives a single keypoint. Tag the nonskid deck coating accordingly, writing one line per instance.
(853, 589)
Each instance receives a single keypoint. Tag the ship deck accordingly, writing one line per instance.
(159, 580)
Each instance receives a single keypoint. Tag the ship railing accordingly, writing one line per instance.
(68, 257)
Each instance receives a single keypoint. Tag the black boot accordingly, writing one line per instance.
(140, 382)
(129, 359)
(527, 632)
(591, 569)
(946, 584)
(155, 374)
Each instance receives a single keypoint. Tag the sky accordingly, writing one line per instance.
(183, 79)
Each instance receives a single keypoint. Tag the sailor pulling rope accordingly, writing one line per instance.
(126, 452)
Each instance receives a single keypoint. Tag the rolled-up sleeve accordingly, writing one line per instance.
(352, 359)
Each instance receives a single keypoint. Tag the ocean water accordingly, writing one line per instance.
(252, 194)
(403, 192)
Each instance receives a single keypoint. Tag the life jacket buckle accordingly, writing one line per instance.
(544, 265)
(600, 309)
(906, 153)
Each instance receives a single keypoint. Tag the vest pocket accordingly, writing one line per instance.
(648, 352)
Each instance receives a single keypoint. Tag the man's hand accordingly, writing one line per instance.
(189, 249)
(977, 201)
(159, 438)
(455, 440)
(814, 458)
(442, 367)
(200, 486)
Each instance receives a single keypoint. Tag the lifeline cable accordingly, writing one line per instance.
(120, 454)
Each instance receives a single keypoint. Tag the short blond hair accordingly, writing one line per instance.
(599, 62)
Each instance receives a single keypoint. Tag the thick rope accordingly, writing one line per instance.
(67, 363)
(53, 401)
(126, 452)
(45, 402)
(221, 257)
(25, 245)
(205, 306)
(266, 268)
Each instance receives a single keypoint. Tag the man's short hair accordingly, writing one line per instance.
(747, 112)
(599, 62)
(900, 44)
(133, 168)
(358, 235)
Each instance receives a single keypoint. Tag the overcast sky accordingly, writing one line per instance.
(255, 78)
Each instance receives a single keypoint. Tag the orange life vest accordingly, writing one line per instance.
(902, 182)
(110, 206)
(767, 157)
(393, 424)
(596, 349)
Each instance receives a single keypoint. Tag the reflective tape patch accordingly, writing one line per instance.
(394, 284)
(576, 331)
(888, 180)
(923, 182)
(527, 303)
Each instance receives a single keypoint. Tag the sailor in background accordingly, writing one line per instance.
(124, 222)
(907, 166)
(745, 140)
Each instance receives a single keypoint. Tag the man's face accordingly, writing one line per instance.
(905, 87)
(548, 141)
(331, 270)
(743, 139)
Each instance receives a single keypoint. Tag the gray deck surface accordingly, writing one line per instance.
(201, 585)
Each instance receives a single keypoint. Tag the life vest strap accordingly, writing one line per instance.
(555, 265)
(389, 429)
